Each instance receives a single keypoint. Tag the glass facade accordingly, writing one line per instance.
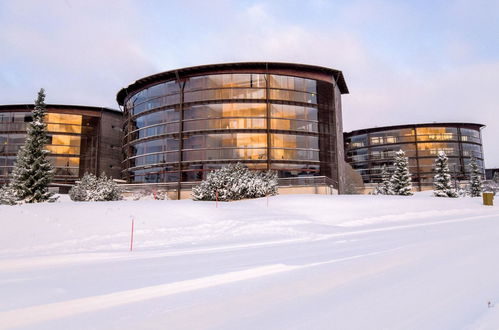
(73, 141)
(368, 150)
(180, 129)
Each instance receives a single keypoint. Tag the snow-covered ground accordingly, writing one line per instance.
(300, 262)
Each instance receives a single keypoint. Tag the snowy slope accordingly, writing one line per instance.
(300, 262)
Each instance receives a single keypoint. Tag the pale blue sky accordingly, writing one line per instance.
(404, 61)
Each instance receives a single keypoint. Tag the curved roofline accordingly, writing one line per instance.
(57, 106)
(193, 70)
(384, 128)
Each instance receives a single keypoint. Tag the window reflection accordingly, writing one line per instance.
(160, 145)
(436, 133)
(294, 125)
(240, 140)
(292, 154)
(294, 141)
(293, 83)
(226, 110)
(293, 112)
(233, 123)
(433, 148)
(226, 81)
(279, 94)
(224, 94)
(295, 170)
(225, 154)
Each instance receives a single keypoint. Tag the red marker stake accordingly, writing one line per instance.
(131, 237)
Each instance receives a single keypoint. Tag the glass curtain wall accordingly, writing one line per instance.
(72, 143)
(203, 122)
(368, 152)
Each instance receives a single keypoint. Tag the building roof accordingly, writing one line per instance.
(394, 127)
(195, 70)
(29, 106)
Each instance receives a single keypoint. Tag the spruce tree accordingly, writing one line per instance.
(475, 179)
(442, 179)
(401, 177)
(385, 186)
(33, 172)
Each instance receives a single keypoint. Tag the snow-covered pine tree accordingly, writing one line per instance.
(385, 186)
(234, 182)
(401, 177)
(33, 172)
(442, 179)
(475, 179)
(93, 189)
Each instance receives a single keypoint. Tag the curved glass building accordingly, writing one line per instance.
(81, 139)
(367, 150)
(180, 124)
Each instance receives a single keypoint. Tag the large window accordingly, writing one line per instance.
(220, 124)
(223, 110)
(356, 141)
(234, 140)
(433, 148)
(160, 145)
(436, 133)
(392, 136)
(470, 135)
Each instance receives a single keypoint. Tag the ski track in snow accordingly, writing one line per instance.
(51, 261)
(42, 313)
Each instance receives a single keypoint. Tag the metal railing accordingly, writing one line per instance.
(282, 182)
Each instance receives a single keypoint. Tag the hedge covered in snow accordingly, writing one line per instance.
(92, 189)
(235, 182)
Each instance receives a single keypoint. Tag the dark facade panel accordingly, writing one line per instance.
(490, 172)
(367, 150)
(181, 124)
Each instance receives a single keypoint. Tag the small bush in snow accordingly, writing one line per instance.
(442, 179)
(148, 195)
(234, 182)
(7, 195)
(92, 189)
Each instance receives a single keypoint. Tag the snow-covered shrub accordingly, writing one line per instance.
(442, 180)
(150, 195)
(7, 195)
(91, 188)
(476, 185)
(234, 182)
(401, 177)
(385, 186)
(462, 192)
